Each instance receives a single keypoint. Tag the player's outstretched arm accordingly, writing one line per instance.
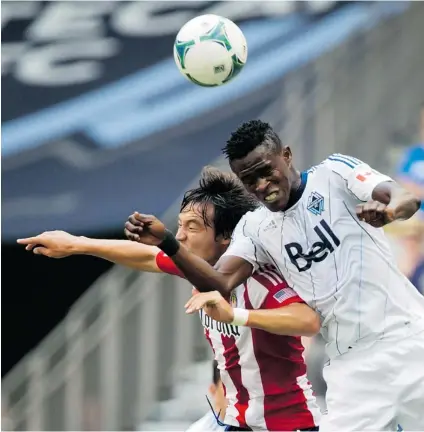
(230, 272)
(60, 244)
(295, 319)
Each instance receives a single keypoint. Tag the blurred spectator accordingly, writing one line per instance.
(315, 359)
(407, 240)
(410, 171)
(91, 414)
(209, 421)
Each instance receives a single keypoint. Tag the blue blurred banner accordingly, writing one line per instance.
(55, 51)
(97, 121)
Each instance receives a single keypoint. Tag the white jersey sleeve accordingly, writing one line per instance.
(360, 178)
(245, 245)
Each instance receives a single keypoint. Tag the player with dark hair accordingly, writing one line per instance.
(321, 229)
(264, 374)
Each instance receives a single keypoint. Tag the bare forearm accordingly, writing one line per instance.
(124, 252)
(228, 273)
(201, 274)
(404, 205)
(295, 320)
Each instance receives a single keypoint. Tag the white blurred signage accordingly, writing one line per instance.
(65, 43)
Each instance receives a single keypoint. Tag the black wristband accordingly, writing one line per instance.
(170, 244)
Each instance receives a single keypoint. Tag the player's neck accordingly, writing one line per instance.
(296, 182)
(296, 191)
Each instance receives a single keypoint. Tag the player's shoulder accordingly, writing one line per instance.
(335, 166)
(253, 218)
(338, 161)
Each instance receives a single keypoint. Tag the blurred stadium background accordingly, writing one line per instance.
(97, 122)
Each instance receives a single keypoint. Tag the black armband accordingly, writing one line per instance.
(170, 244)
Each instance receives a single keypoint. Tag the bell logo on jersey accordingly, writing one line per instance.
(319, 250)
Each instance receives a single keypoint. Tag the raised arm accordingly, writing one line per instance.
(60, 244)
(380, 199)
(230, 271)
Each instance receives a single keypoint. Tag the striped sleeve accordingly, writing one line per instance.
(359, 177)
(277, 292)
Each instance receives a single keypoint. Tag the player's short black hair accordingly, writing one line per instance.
(249, 136)
(228, 196)
(216, 375)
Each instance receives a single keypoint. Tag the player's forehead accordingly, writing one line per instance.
(256, 160)
(201, 213)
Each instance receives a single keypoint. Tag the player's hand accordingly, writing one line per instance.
(145, 229)
(53, 244)
(213, 305)
(375, 213)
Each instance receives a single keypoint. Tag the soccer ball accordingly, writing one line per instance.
(210, 50)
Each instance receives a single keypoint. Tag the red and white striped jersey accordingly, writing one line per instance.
(264, 375)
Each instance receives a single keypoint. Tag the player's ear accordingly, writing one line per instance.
(223, 240)
(287, 154)
(226, 241)
(212, 389)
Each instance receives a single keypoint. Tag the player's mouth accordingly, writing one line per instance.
(271, 197)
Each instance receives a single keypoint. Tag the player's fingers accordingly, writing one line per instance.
(40, 250)
(380, 215)
(381, 208)
(367, 212)
(28, 240)
(133, 220)
(197, 304)
(360, 211)
(145, 218)
(135, 229)
(30, 247)
(129, 227)
(371, 215)
(376, 210)
(389, 215)
(131, 236)
(191, 300)
(140, 217)
(190, 307)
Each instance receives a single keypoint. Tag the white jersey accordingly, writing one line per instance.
(207, 423)
(341, 267)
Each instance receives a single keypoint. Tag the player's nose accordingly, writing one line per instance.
(261, 185)
(180, 236)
